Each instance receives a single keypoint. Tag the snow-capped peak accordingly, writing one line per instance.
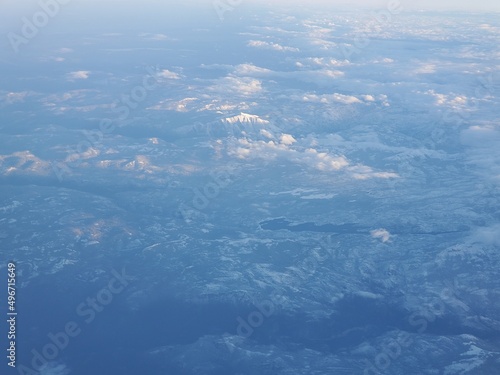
(245, 118)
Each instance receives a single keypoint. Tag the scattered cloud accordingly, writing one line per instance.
(365, 173)
(15, 97)
(224, 106)
(287, 139)
(482, 150)
(452, 100)
(488, 235)
(251, 70)
(271, 46)
(23, 162)
(321, 62)
(183, 105)
(239, 86)
(266, 134)
(80, 74)
(158, 37)
(481, 136)
(329, 98)
(321, 77)
(167, 74)
(84, 100)
(271, 150)
(318, 196)
(381, 234)
(57, 59)
(80, 95)
(425, 69)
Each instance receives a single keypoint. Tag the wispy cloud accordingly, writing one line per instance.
(157, 37)
(15, 97)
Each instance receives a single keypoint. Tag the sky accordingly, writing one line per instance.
(114, 13)
(481, 5)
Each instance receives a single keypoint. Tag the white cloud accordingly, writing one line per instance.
(90, 153)
(321, 77)
(223, 106)
(323, 44)
(452, 100)
(183, 105)
(83, 100)
(266, 133)
(481, 136)
(482, 150)
(322, 62)
(80, 95)
(287, 139)
(82, 108)
(243, 86)
(372, 174)
(158, 37)
(488, 235)
(318, 196)
(24, 162)
(57, 59)
(324, 161)
(270, 150)
(80, 74)
(329, 98)
(167, 74)
(426, 68)
(15, 97)
(381, 234)
(251, 70)
(271, 46)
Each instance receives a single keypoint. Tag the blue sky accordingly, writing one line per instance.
(483, 5)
